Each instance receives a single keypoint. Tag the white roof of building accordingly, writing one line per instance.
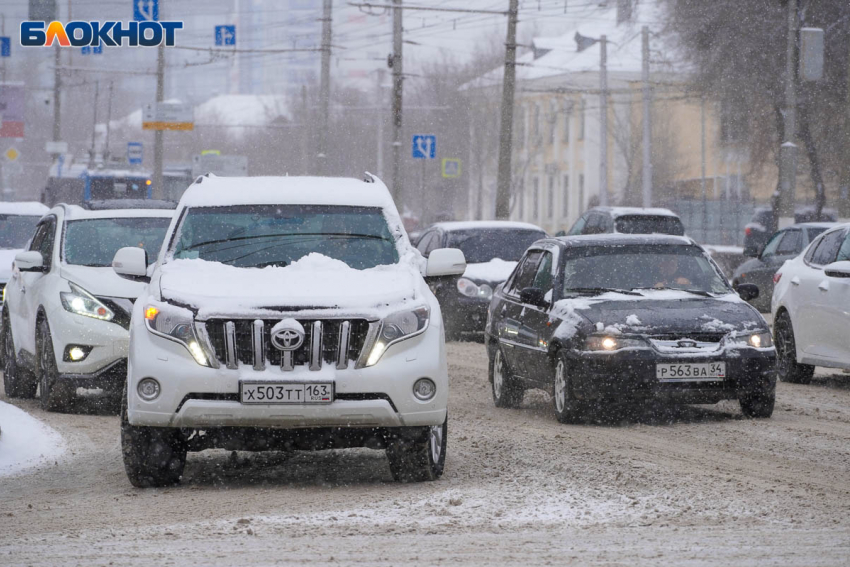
(487, 224)
(25, 208)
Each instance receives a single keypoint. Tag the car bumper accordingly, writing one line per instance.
(194, 396)
(631, 375)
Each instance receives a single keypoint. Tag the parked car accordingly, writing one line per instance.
(612, 318)
(67, 314)
(17, 224)
(628, 220)
(491, 249)
(783, 245)
(811, 324)
(286, 313)
(762, 225)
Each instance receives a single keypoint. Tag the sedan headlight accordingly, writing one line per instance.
(761, 339)
(81, 302)
(609, 343)
(469, 288)
(177, 324)
(398, 327)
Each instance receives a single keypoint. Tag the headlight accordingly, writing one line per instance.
(607, 343)
(755, 340)
(469, 288)
(398, 327)
(81, 302)
(177, 324)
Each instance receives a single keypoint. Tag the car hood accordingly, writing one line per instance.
(313, 283)
(495, 271)
(102, 281)
(657, 313)
(6, 258)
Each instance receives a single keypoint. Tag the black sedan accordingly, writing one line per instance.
(616, 318)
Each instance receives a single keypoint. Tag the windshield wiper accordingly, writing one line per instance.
(253, 236)
(598, 290)
(693, 291)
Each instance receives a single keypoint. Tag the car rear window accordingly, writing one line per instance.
(646, 224)
(485, 244)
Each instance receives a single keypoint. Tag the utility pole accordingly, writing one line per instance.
(603, 121)
(702, 177)
(158, 184)
(94, 123)
(844, 194)
(788, 150)
(325, 87)
(379, 168)
(398, 90)
(503, 183)
(647, 125)
(57, 95)
(108, 120)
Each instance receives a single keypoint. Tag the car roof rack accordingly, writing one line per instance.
(108, 204)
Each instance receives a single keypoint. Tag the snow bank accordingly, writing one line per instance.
(496, 270)
(25, 442)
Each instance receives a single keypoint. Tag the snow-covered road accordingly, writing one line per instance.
(694, 485)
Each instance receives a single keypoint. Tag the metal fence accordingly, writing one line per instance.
(715, 222)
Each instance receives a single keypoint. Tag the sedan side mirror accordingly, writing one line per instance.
(445, 262)
(533, 296)
(747, 291)
(29, 261)
(838, 269)
(131, 263)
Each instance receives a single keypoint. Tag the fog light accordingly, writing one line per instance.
(148, 389)
(424, 389)
(75, 353)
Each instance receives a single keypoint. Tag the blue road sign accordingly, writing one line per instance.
(5, 46)
(424, 146)
(135, 153)
(225, 35)
(146, 10)
(88, 50)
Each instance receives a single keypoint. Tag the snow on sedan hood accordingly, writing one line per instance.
(313, 282)
(102, 281)
(494, 271)
(6, 258)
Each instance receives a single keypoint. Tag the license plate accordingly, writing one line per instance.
(691, 372)
(286, 392)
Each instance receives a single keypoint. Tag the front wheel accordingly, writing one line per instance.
(55, 396)
(759, 403)
(567, 408)
(787, 368)
(418, 456)
(507, 393)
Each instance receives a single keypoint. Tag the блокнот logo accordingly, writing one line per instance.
(110, 34)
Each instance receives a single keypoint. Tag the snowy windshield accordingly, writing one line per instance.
(94, 242)
(641, 267)
(16, 230)
(255, 236)
(483, 245)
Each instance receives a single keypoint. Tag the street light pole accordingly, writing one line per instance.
(325, 87)
(503, 180)
(603, 121)
(788, 150)
(647, 125)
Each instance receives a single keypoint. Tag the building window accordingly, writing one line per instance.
(535, 132)
(566, 196)
(551, 212)
(535, 202)
(580, 192)
(565, 135)
(553, 122)
(581, 120)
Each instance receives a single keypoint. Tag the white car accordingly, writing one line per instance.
(286, 313)
(811, 297)
(67, 314)
(17, 224)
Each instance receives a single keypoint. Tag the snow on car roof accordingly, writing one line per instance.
(26, 208)
(637, 211)
(75, 212)
(617, 239)
(487, 224)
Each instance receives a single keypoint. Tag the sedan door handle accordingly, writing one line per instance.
(795, 280)
(824, 286)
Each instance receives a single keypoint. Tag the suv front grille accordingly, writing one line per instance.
(326, 341)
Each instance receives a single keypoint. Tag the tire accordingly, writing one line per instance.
(787, 368)
(55, 396)
(17, 382)
(758, 404)
(153, 456)
(418, 454)
(567, 408)
(507, 392)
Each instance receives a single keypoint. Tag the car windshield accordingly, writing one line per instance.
(482, 245)
(641, 267)
(94, 242)
(643, 224)
(255, 236)
(16, 230)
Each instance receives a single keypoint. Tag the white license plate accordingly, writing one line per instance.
(691, 372)
(286, 392)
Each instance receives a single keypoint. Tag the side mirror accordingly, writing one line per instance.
(131, 263)
(837, 269)
(747, 291)
(29, 261)
(533, 296)
(445, 262)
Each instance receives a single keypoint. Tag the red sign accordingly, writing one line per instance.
(12, 104)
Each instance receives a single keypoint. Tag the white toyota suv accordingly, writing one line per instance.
(67, 314)
(286, 313)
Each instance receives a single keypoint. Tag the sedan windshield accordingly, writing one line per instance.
(16, 230)
(255, 236)
(94, 242)
(483, 245)
(641, 267)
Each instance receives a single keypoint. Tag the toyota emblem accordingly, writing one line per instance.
(287, 339)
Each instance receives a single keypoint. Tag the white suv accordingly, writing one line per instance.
(17, 223)
(67, 314)
(811, 296)
(286, 313)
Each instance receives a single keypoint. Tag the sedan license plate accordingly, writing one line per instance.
(691, 372)
(286, 392)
